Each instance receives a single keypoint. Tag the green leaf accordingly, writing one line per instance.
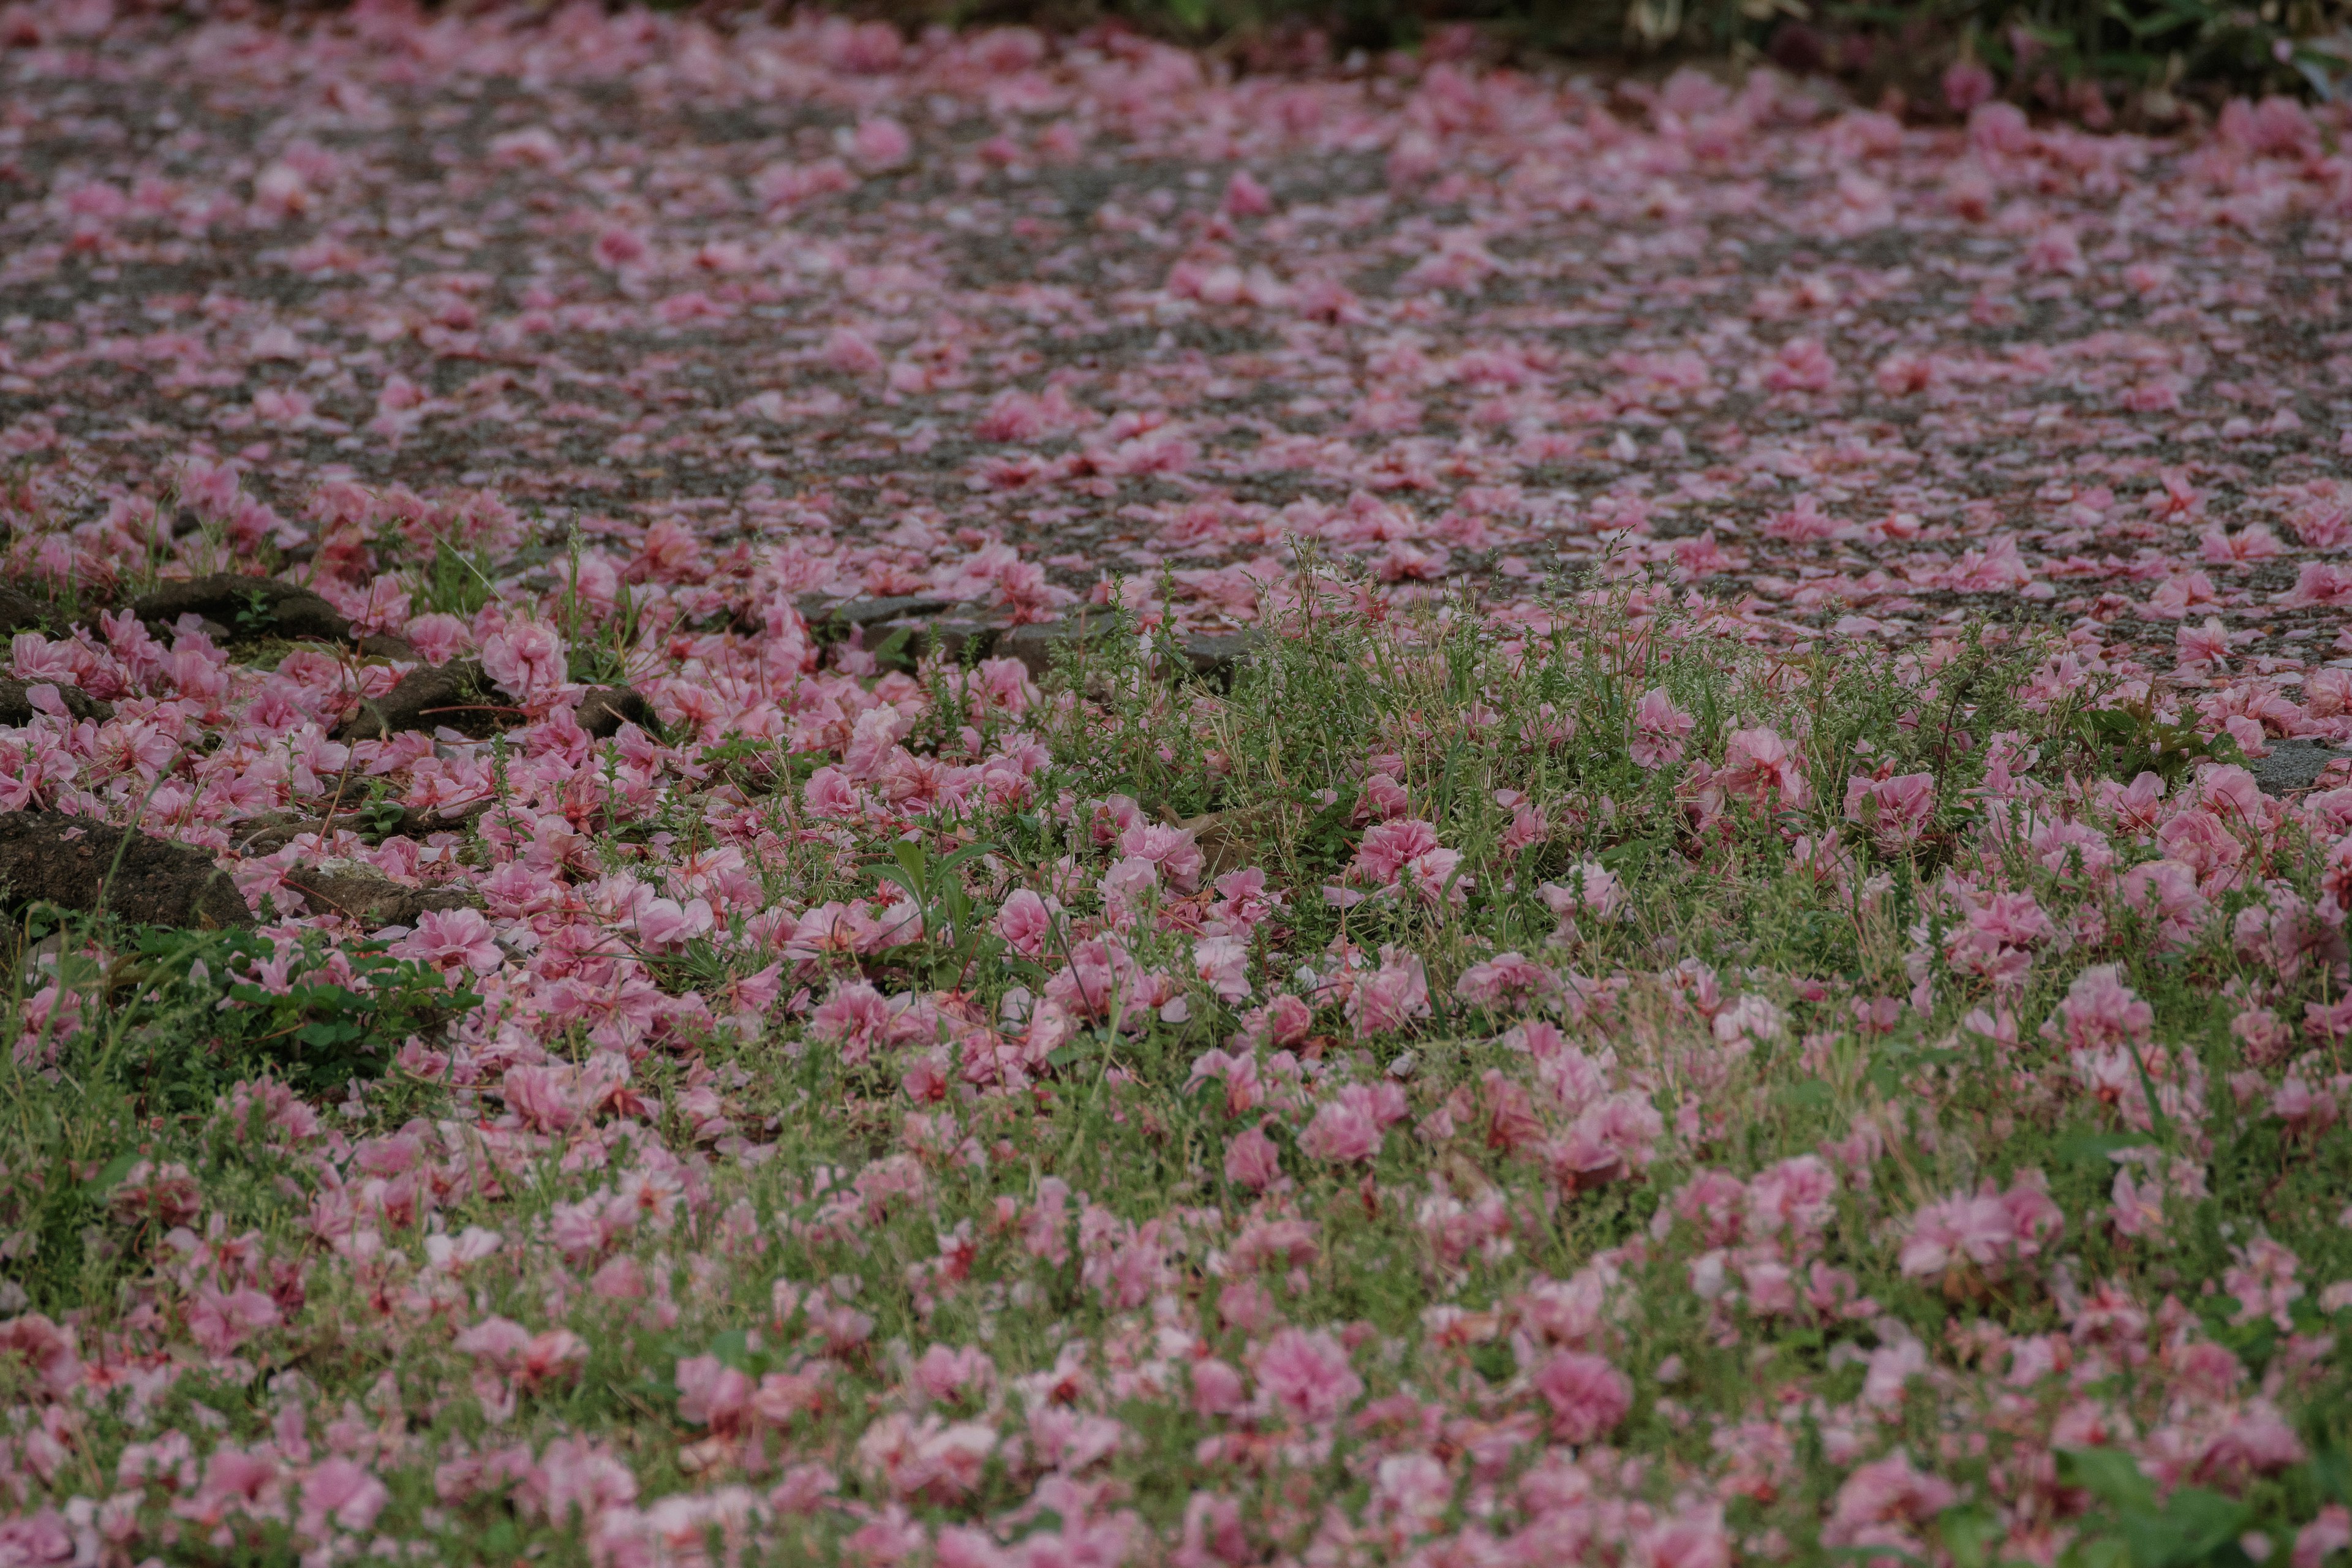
(2332, 1469)
(108, 1179)
(2097, 1551)
(891, 653)
(2254, 1343)
(1494, 1362)
(1807, 1094)
(962, 856)
(893, 875)
(2110, 1475)
(2093, 1148)
(1969, 1532)
(2193, 1523)
(1874, 1555)
(383, 815)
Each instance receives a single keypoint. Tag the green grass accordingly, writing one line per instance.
(1456, 715)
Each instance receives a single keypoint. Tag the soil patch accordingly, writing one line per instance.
(76, 864)
(16, 703)
(457, 695)
(243, 608)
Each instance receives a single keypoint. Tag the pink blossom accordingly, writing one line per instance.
(1217, 1388)
(1307, 1375)
(1588, 1397)
(339, 1489)
(1403, 856)
(2330, 1531)
(545, 1097)
(1222, 963)
(1991, 1227)
(881, 143)
(450, 939)
(1381, 799)
(438, 637)
(526, 658)
(1025, 922)
(1660, 728)
(1591, 889)
(1390, 997)
(1893, 811)
(1252, 1162)
(666, 923)
(711, 1393)
(1966, 85)
(1244, 197)
(1693, 1539)
(1352, 1124)
(928, 1458)
(1344, 1130)
(1888, 1491)
(1509, 979)
(2263, 1279)
(222, 1320)
(951, 1374)
(1170, 849)
(620, 248)
(1760, 764)
(2099, 1010)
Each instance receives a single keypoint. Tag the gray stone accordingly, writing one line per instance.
(20, 612)
(957, 639)
(2293, 765)
(255, 606)
(604, 709)
(16, 705)
(1217, 658)
(840, 617)
(1034, 644)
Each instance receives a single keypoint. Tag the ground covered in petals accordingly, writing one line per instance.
(769, 794)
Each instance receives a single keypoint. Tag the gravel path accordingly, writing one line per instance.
(995, 316)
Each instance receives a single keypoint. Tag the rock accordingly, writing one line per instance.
(76, 864)
(919, 623)
(267, 835)
(368, 899)
(238, 608)
(460, 695)
(840, 617)
(1217, 658)
(1230, 840)
(605, 708)
(1211, 656)
(20, 612)
(457, 695)
(249, 606)
(1037, 644)
(2293, 765)
(16, 704)
(957, 640)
